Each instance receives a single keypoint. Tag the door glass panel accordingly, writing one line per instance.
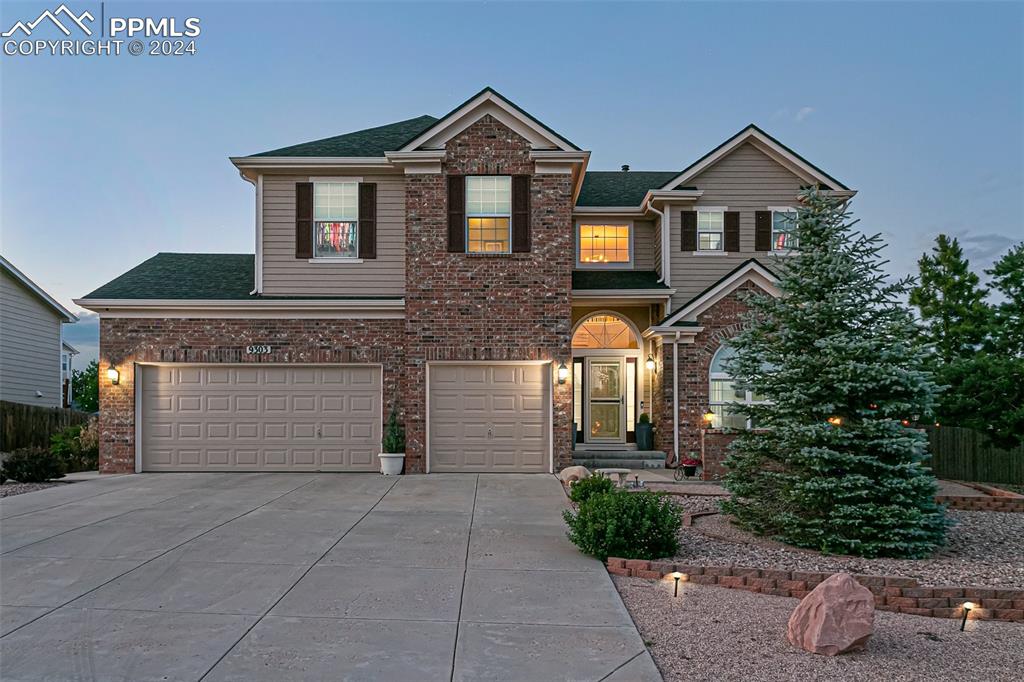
(605, 382)
(604, 420)
(630, 393)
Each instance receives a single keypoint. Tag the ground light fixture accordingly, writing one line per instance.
(113, 375)
(649, 363)
(563, 372)
(676, 576)
(967, 606)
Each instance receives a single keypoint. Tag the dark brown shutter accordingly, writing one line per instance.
(367, 220)
(688, 221)
(732, 231)
(457, 213)
(520, 214)
(763, 231)
(303, 219)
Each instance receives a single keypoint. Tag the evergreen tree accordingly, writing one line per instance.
(830, 466)
(1008, 279)
(951, 301)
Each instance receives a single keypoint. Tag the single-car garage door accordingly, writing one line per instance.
(260, 418)
(489, 417)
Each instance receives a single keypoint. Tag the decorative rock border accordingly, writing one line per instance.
(998, 504)
(902, 595)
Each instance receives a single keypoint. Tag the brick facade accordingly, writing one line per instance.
(126, 341)
(486, 307)
(719, 323)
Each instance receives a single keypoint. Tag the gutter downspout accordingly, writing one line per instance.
(664, 249)
(675, 398)
(258, 265)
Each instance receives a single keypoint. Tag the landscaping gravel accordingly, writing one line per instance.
(10, 489)
(983, 549)
(712, 633)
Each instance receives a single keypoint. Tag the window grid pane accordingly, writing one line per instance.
(489, 195)
(604, 244)
(783, 223)
(488, 235)
(710, 226)
(334, 240)
(336, 201)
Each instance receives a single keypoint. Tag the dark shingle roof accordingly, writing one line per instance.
(616, 279)
(195, 277)
(620, 188)
(369, 142)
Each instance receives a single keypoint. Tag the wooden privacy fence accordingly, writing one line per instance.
(30, 425)
(966, 455)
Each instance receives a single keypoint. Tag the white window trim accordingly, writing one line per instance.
(465, 200)
(712, 252)
(336, 179)
(781, 209)
(628, 265)
(748, 396)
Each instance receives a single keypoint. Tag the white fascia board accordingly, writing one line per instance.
(686, 334)
(265, 309)
(615, 211)
(623, 293)
(753, 272)
(37, 290)
(488, 102)
(670, 195)
(289, 162)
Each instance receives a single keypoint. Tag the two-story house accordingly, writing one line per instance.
(467, 270)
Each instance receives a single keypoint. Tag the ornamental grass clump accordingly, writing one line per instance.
(640, 525)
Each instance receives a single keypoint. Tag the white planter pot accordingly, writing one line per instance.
(391, 463)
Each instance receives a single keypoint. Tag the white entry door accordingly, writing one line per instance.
(605, 400)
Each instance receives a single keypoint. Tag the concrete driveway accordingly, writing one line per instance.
(306, 576)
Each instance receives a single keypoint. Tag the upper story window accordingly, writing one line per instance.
(783, 229)
(724, 393)
(605, 244)
(335, 219)
(710, 229)
(489, 214)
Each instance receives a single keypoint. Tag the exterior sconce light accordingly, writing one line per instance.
(967, 606)
(113, 375)
(835, 421)
(676, 576)
(650, 364)
(563, 373)
(708, 417)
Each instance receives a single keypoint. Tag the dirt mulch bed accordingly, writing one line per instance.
(983, 549)
(714, 633)
(11, 488)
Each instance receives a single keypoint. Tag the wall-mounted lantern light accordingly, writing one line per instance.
(563, 373)
(650, 364)
(708, 417)
(113, 375)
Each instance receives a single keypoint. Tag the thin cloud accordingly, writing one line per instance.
(803, 113)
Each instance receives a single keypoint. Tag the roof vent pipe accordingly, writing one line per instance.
(625, 168)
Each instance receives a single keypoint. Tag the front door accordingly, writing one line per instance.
(605, 404)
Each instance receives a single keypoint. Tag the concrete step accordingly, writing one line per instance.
(604, 462)
(619, 454)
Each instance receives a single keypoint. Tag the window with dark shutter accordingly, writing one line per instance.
(520, 213)
(763, 231)
(732, 231)
(456, 213)
(367, 220)
(688, 223)
(304, 220)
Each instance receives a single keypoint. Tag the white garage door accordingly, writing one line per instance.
(260, 418)
(489, 417)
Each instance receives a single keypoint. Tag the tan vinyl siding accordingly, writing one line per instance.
(747, 180)
(656, 247)
(29, 347)
(286, 275)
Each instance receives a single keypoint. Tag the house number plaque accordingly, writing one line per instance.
(258, 349)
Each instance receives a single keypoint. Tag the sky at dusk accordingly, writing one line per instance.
(107, 160)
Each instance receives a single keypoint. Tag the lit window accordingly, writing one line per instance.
(710, 227)
(604, 244)
(489, 214)
(335, 219)
(604, 331)
(783, 228)
(724, 394)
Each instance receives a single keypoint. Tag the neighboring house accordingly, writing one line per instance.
(67, 355)
(468, 270)
(31, 343)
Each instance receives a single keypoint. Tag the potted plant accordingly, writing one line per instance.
(644, 432)
(689, 466)
(393, 458)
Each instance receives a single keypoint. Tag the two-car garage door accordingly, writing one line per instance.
(260, 418)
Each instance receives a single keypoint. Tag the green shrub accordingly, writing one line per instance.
(585, 488)
(394, 435)
(32, 465)
(77, 447)
(629, 525)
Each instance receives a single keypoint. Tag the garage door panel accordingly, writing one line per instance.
(220, 418)
(488, 417)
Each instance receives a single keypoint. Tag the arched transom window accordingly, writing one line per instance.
(604, 331)
(724, 391)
